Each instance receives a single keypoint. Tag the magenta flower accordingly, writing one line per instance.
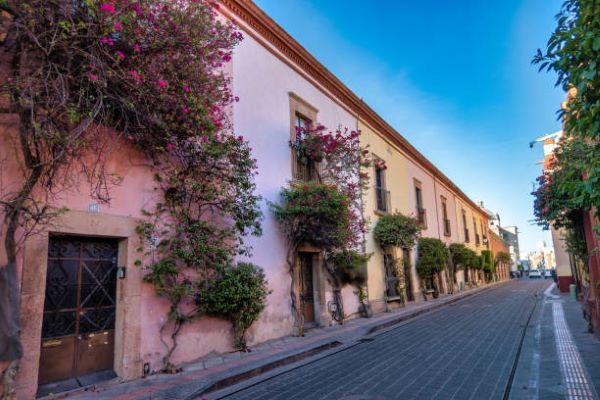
(186, 110)
(120, 54)
(92, 77)
(186, 88)
(117, 26)
(169, 146)
(137, 48)
(161, 83)
(107, 7)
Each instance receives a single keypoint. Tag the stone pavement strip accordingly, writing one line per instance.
(217, 372)
(561, 360)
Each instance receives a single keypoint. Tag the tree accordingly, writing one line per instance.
(487, 264)
(433, 258)
(152, 72)
(573, 185)
(459, 258)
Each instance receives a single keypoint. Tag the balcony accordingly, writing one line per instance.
(422, 217)
(446, 227)
(383, 199)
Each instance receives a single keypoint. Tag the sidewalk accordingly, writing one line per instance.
(560, 359)
(217, 372)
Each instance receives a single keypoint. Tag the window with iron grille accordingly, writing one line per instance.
(445, 217)
(420, 210)
(382, 196)
(464, 218)
(305, 169)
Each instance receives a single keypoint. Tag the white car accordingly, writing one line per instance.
(535, 274)
(548, 274)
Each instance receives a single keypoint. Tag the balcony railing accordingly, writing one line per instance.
(446, 227)
(422, 217)
(383, 199)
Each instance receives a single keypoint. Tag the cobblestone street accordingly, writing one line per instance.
(466, 350)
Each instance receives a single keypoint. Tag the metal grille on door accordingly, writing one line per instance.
(79, 308)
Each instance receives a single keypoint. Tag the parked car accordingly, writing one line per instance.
(548, 273)
(535, 274)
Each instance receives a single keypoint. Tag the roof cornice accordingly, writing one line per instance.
(261, 23)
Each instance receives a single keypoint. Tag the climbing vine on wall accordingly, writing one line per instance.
(327, 212)
(152, 72)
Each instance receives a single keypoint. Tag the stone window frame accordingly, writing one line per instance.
(127, 347)
(444, 203)
(418, 188)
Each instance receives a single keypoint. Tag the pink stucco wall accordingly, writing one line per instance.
(264, 83)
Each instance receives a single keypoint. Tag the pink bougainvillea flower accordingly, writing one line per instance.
(204, 139)
(137, 48)
(169, 146)
(186, 88)
(92, 77)
(120, 54)
(107, 7)
(161, 83)
(186, 110)
(117, 26)
(136, 76)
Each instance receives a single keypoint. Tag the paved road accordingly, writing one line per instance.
(464, 351)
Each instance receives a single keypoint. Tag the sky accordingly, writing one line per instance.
(454, 77)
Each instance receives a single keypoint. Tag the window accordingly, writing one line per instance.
(421, 212)
(477, 241)
(483, 234)
(464, 218)
(382, 195)
(306, 169)
(445, 216)
(302, 116)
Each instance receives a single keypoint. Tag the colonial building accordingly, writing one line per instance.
(86, 261)
(508, 234)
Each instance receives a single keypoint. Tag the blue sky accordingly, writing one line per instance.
(453, 77)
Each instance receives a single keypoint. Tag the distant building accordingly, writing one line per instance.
(509, 234)
(543, 257)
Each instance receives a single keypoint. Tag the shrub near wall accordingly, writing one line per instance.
(238, 294)
(433, 258)
(487, 264)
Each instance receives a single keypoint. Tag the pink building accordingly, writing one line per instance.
(280, 86)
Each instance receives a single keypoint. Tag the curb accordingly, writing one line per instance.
(236, 378)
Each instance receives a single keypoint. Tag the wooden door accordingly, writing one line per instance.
(307, 296)
(390, 275)
(79, 308)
